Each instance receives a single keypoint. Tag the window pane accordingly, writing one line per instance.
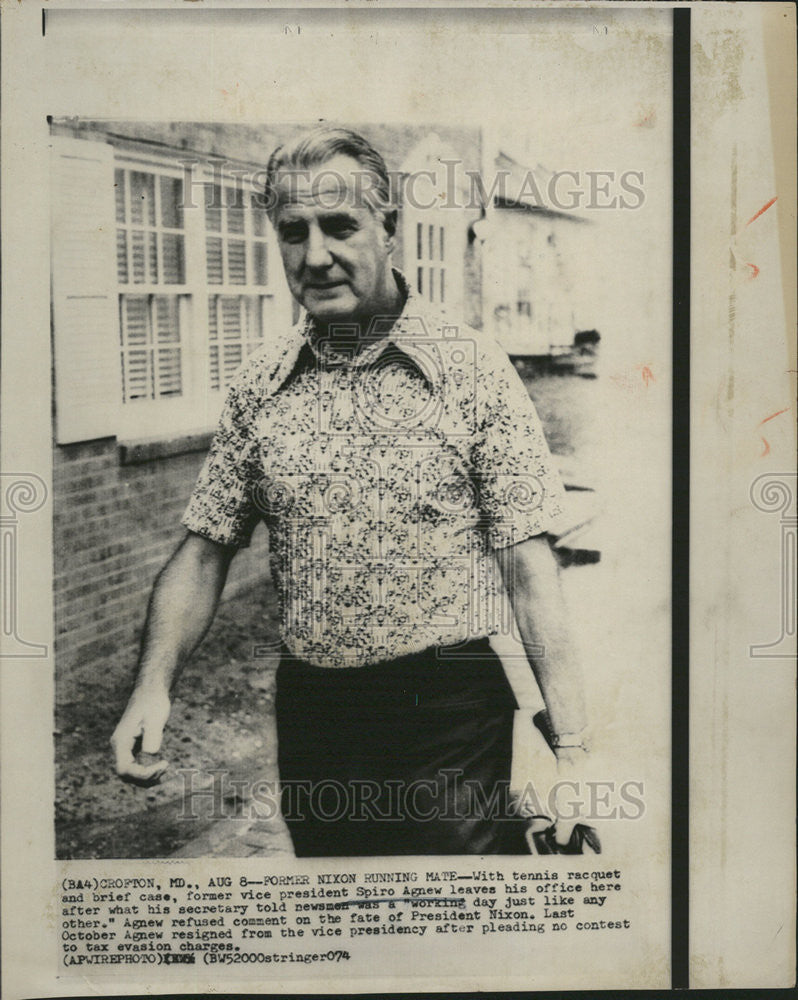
(137, 255)
(419, 242)
(213, 249)
(167, 327)
(443, 283)
(236, 262)
(259, 264)
(134, 320)
(213, 329)
(168, 374)
(152, 257)
(172, 202)
(119, 194)
(213, 208)
(232, 356)
(214, 366)
(121, 256)
(432, 284)
(235, 331)
(231, 317)
(432, 242)
(235, 209)
(248, 319)
(213, 335)
(235, 220)
(170, 380)
(420, 280)
(174, 272)
(135, 339)
(136, 371)
(142, 198)
(443, 249)
(255, 306)
(259, 217)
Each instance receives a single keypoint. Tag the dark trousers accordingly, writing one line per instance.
(411, 756)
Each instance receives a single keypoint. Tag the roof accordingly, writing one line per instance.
(525, 189)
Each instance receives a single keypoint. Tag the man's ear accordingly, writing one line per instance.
(389, 221)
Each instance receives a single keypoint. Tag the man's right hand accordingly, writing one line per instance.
(181, 609)
(143, 721)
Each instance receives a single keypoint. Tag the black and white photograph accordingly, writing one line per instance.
(362, 391)
(379, 412)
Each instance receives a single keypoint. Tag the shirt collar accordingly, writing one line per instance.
(413, 327)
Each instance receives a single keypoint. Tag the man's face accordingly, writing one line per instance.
(335, 248)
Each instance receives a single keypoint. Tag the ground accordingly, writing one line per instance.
(222, 718)
(220, 735)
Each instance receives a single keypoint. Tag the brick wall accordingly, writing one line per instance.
(114, 527)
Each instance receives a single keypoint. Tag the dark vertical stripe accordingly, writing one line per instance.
(680, 635)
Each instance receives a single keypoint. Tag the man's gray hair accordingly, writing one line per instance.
(315, 146)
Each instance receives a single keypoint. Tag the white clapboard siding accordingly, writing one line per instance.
(85, 304)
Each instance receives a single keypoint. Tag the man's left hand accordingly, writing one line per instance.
(568, 802)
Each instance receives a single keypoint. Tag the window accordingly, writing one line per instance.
(197, 293)
(166, 279)
(149, 239)
(235, 245)
(235, 330)
(236, 256)
(430, 249)
(432, 265)
(150, 258)
(434, 223)
(151, 348)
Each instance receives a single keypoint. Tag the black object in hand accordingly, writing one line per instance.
(546, 843)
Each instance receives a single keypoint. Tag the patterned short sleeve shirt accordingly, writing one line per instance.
(386, 478)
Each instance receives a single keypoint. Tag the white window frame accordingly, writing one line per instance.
(144, 418)
(197, 408)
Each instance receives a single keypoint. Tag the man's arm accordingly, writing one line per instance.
(532, 580)
(181, 609)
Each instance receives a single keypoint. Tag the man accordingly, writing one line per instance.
(396, 460)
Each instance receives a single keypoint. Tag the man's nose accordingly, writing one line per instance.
(318, 252)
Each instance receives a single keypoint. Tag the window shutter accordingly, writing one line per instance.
(168, 361)
(85, 306)
(233, 348)
(136, 371)
(236, 262)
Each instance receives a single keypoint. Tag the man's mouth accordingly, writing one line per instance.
(324, 285)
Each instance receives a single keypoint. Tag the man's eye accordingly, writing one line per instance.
(340, 229)
(293, 234)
